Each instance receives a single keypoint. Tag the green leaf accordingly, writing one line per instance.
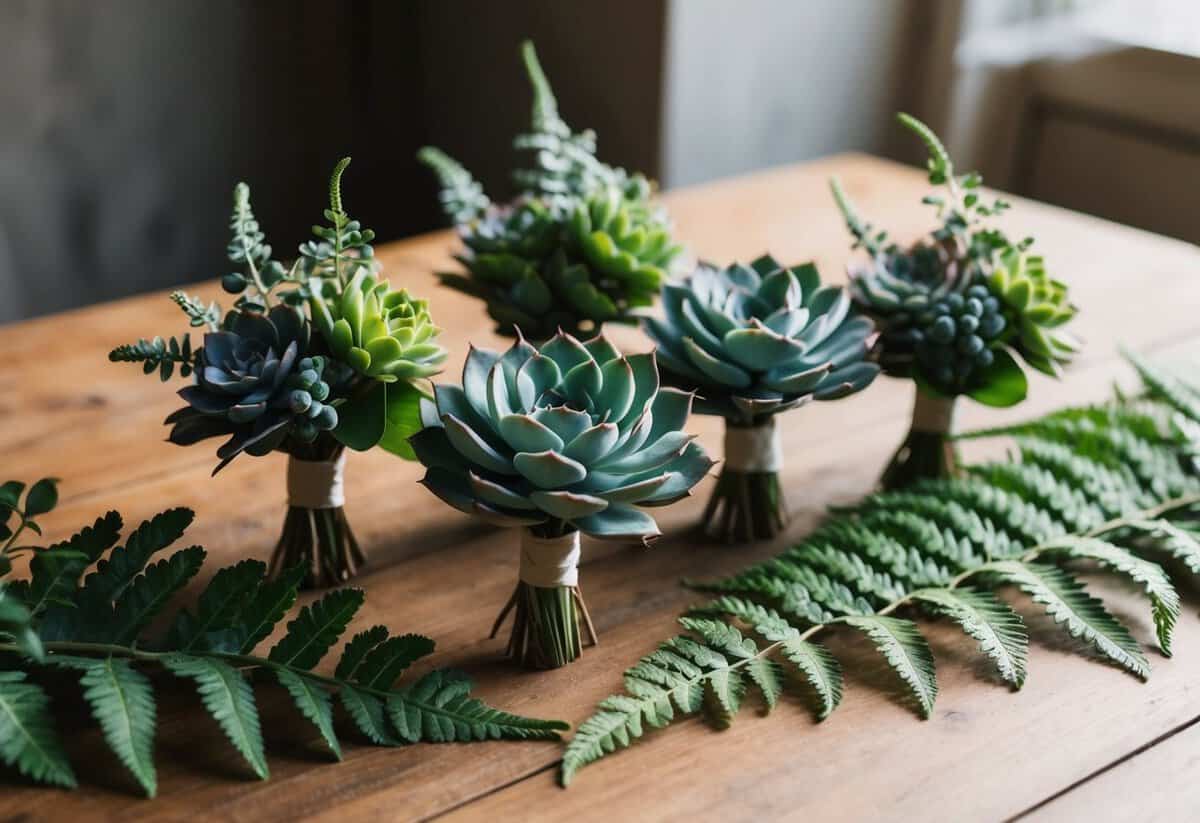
(56, 570)
(820, 668)
(122, 700)
(384, 663)
(403, 419)
(222, 602)
(42, 497)
(10, 494)
(113, 575)
(367, 712)
(356, 651)
(1082, 615)
(316, 628)
(150, 592)
(999, 630)
(229, 699)
(313, 702)
(1003, 383)
(27, 738)
(902, 645)
(362, 420)
(438, 709)
(1164, 600)
(270, 604)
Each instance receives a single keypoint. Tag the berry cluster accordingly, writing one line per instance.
(306, 400)
(954, 337)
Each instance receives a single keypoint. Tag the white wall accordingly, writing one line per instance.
(759, 83)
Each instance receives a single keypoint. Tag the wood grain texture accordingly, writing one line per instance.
(987, 753)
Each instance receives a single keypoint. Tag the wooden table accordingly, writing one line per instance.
(1080, 738)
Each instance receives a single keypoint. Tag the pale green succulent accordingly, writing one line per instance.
(380, 333)
(572, 432)
(757, 340)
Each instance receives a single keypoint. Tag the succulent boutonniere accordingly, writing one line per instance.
(958, 311)
(564, 439)
(582, 243)
(313, 357)
(752, 342)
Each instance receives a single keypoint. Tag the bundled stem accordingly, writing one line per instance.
(546, 632)
(317, 537)
(748, 503)
(928, 451)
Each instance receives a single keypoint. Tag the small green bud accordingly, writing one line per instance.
(233, 283)
(299, 401)
(327, 419)
(319, 390)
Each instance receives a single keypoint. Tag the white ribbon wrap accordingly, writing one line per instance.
(755, 449)
(316, 484)
(934, 415)
(549, 562)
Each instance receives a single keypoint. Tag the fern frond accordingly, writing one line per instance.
(1176, 541)
(905, 650)
(1163, 597)
(314, 703)
(229, 699)
(1082, 615)
(27, 738)
(316, 628)
(367, 712)
(1160, 382)
(820, 669)
(149, 594)
(999, 630)
(122, 701)
(438, 709)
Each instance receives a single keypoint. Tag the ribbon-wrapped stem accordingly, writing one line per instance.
(547, 605)
(316, 533)
(748, 502)
(928, 450)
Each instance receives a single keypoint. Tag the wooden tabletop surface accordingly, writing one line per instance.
(1081, 740)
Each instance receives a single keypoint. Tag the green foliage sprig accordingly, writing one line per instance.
(582, 243)
(1108, 487)
(98, 626)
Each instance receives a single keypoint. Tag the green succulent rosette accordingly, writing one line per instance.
(582, 244)
(754, 341)
(958, 312)
(569, 437)
(314, 357)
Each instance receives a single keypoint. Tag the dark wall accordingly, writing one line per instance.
(127, 122)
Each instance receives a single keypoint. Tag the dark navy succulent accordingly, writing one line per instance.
(255, 383)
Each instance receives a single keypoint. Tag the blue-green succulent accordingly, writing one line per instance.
(571, 432)
(756, 340)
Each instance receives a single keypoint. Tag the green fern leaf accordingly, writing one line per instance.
(1161, 383)
(149, 593)
(999, 630)
(122, 700)
(387, 661)
(270, 604)
(113, 575)
(221, 604)
(1082, 615)
(1164, 600)
(316, 628)
(230, 700)
(27, 738)
(1180, 543)
(820, 669)
(314, 703)
(724, 690)
(438, 709)
(56, 571)
(367, 712)
(356, 651)
(616, 723)
(902, 645)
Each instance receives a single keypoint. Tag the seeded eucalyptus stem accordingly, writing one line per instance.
(320, 540)
(546, 632)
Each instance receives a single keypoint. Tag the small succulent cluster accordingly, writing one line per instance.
(313, 358)
(271, 376)
(571, 432)
(757, 340)
(581, 244)
(956, 310)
